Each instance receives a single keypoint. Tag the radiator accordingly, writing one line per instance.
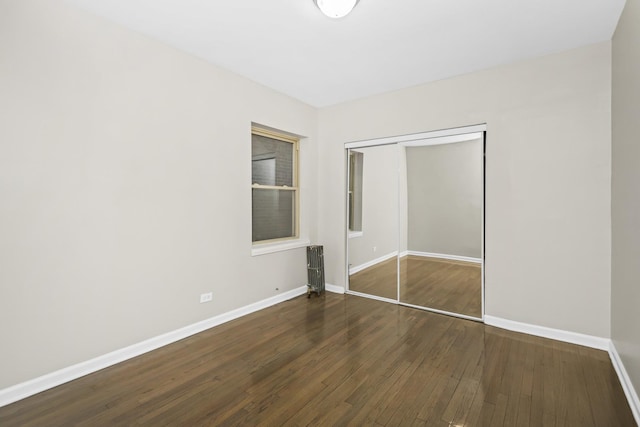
(315, 270)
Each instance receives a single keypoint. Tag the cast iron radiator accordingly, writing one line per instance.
(315, 270)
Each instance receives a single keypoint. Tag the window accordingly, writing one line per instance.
(274, 179)
(355, 191)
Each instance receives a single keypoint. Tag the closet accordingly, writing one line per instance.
(415, 220)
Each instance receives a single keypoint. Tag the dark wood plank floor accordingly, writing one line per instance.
(338, 360)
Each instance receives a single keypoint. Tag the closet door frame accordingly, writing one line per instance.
(437, 137)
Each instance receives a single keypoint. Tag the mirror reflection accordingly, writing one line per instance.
(415, 219)
(441, 256)
(373, 211)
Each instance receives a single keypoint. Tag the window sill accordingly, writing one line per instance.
(270, 248)
(353, 234)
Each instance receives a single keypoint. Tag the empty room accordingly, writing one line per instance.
(319, 212)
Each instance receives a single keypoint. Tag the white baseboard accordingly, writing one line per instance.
(443, 256)
(580, 339)
(625, 381)
(554, 334)
(357, 268)
(53, 379)
(334, 288)
(45, 382)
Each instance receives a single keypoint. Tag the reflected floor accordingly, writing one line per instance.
(447, 285)
(380, 280)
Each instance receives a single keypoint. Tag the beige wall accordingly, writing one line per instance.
(548, 226)
(125, 187)
(625, 206)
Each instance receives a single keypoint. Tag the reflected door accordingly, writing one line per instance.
(373, 217)
(441, 224)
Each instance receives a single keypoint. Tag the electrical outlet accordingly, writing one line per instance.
(206, 297)
(375, 248)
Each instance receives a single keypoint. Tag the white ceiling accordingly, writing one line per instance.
(382, 45)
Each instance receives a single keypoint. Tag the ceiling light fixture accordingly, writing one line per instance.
(336, 8)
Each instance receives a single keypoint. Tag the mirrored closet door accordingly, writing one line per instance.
(441, 262)
(373, 206)
(416, 221)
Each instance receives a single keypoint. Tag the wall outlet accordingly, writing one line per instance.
(375, 248)
(206, 297)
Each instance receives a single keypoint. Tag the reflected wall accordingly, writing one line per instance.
(441, 267)
(373, 248)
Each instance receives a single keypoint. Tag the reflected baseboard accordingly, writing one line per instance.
(441, 256)
(364, 266)
(357, 268)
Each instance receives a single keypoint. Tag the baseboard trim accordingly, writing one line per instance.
(29, 388)
(56, 378)
(334, 288)
(358, 268)
(555, 334)
(580, 339)
(625, 381)
(443, 256)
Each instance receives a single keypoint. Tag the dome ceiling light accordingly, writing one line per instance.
(336, 8)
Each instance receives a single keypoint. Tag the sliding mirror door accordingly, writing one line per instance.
(415, 214)
(372, 205)
(441, 224)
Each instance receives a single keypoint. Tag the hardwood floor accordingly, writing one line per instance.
(454, 286)
(338, 360)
